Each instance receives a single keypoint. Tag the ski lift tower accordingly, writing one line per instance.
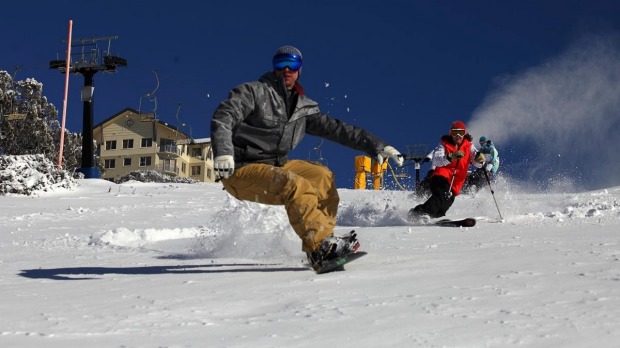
(88, 63)
(417, 153)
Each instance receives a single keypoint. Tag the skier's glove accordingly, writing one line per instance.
(454, 155)
(224, 166)
(489, 167)
(480, 157)
(392, 153)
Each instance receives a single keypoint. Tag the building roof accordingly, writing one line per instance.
(125, 110)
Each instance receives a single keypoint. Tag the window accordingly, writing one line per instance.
(127, 143)
(209, 173)
(110, 145)
(167, 145)
(145, 161)
(169, 165)
(195, 170)
(146, 142)
(127, 161)
(183, 167)
(196, 152)
(109, 163)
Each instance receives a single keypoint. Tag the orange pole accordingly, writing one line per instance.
(64, 102)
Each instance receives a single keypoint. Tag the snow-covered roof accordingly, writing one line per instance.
(194, 141)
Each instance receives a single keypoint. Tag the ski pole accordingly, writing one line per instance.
(492, 193)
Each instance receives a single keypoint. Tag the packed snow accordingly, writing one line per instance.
(138, 264)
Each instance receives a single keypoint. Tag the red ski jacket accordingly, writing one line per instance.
(461, 165)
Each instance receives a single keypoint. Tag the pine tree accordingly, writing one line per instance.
(29, 124)
(72, 150)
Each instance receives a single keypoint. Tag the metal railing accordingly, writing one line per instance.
(168, 148)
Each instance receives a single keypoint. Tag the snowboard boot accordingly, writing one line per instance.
(333, 247)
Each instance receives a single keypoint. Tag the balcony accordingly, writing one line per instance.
(169, 149)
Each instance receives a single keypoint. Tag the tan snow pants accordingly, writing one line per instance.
(306, 189)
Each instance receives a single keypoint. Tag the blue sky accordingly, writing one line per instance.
(401, 69)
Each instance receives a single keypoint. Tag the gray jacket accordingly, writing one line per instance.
(254, 126)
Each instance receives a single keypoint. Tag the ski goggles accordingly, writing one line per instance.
(287, 60)
(457, 132)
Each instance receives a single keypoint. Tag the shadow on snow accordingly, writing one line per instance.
(74, 273)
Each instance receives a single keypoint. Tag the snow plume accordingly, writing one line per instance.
(248, 230)
(562, 117)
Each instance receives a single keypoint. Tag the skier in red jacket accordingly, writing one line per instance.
(451, 159)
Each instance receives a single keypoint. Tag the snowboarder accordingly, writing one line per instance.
(252, 133)
(451, 159)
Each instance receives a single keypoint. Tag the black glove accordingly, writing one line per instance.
(454, 155)
(427, 159)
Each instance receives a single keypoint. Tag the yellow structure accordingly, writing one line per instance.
(130, 141)
(377, 174)
(362, 166)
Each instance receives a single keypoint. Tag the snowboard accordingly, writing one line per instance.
(467, 222)
(337, 264)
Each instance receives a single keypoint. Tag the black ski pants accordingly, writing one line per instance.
(440, 201)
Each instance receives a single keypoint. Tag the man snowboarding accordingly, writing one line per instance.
(252, 133)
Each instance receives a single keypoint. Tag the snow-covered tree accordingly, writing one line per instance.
(28, 121)
(72, 150)
(29, 124)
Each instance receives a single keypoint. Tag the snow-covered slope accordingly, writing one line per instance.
(185, 265)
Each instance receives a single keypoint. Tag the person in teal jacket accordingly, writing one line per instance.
(487, 147)
(477, 178)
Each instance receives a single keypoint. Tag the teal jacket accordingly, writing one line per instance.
(493, 159)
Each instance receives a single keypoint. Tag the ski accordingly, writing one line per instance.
(467, 222)
(337, 264)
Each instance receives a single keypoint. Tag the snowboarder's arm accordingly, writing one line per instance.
(228, 114)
